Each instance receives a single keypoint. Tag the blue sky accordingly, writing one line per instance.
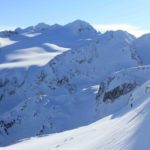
(104, 14)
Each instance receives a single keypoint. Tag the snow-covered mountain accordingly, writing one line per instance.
(56, 78)
(33, 29)
(142, 46)
(37, 45)
(128, 129)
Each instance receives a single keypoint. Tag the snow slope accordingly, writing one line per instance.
(6, 42)
(57, 78)
(127, 129)
(32, 56)
(37, 45)
(49, 108)
(142, 46)
(115, 91)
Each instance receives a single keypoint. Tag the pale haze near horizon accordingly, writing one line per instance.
(132, 16)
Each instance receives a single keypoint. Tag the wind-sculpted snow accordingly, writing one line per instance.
(50, 78)
(45, 39)
(127, 129)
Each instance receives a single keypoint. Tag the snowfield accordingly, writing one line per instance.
(24, 58)
(71, 87)
(127, 129)
(6, 42)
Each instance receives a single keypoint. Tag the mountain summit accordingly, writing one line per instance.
(57, 78)
(79, 27)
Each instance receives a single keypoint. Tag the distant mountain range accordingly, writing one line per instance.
(56, 78)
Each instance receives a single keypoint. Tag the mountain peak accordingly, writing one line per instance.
(79, 26)
(118, 35)
(42, 26)
(36, 28)
(79, 22)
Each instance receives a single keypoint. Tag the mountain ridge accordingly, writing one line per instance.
(65, 74)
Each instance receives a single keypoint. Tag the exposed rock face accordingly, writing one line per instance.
(8, 33)
(109, 96)
(103, 86)
(118, 91)
(65, 87)
(9, 86)
(6, 125)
